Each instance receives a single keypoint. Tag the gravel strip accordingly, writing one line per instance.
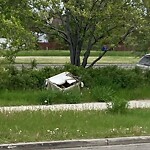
(84, 106)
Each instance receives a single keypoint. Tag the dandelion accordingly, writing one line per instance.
(141, 127)
(56, 129)
(113, 129)
(20, 132)
(45, 101)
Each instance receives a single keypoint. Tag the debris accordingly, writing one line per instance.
(63, 81)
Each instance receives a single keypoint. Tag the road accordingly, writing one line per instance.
(143, 146)
(39, 66)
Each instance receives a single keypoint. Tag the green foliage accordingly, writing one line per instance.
(117, 105)
(33, 64)
(113, 77)
(27, 126)
(102, 94)
(47, 97)
(82, 25)
(72, 97)
(58, 97)
(101, 84)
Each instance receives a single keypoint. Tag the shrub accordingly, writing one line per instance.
(47, 97)
(102, 94)
(72, 97)
(58, 97)
(117, 105)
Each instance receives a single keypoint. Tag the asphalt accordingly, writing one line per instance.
(75, 143)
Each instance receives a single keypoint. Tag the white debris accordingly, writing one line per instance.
(63, 81)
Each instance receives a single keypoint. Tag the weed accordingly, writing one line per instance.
(117, 105)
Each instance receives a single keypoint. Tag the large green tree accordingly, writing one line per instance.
(140, 39)
(83, 24)
(80, 23)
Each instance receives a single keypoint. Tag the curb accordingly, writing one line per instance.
(78, 143)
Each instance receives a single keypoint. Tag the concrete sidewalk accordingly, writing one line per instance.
(83, 106)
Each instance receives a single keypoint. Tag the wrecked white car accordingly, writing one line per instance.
(63, 81)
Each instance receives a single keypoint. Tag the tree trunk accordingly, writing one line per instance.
(77, 58)
(75, 55)
(87, 53)
(72, 54)
(92, 64)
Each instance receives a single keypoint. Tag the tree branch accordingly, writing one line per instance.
(121, 40)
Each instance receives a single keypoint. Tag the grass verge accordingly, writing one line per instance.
(53, 125)
(66, 59)
(38, 97)
(66, 53)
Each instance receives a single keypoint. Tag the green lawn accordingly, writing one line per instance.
(66, 53)
(66, 59)
(37, 97)
(47, 125)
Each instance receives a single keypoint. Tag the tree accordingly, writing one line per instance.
(141, 37)
(15, 28)
(81, 23)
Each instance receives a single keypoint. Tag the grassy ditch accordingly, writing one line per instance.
(53, 125)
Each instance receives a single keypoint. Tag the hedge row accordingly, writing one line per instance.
(114, 77)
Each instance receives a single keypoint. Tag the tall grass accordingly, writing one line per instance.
(48, 125)
(39, 97)
(134, 94)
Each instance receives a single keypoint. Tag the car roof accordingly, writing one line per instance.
(147, 55)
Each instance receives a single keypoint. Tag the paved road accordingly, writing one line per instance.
(141, 146)
(39, 66)
(144, 146)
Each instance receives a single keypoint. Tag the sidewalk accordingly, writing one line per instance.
(83, 106)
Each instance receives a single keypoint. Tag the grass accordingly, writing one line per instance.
(47, 125)
(62, 56)
(134, 94)
(65, 59)
(66, 53)
(37, 97)
(13, 98)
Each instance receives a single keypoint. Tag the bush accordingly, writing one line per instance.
(72, 97)
(117, 105)
(47, 97)
(113, 77)
(58, 97)
(102, 94)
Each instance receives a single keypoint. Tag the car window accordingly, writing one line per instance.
(145, 61)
